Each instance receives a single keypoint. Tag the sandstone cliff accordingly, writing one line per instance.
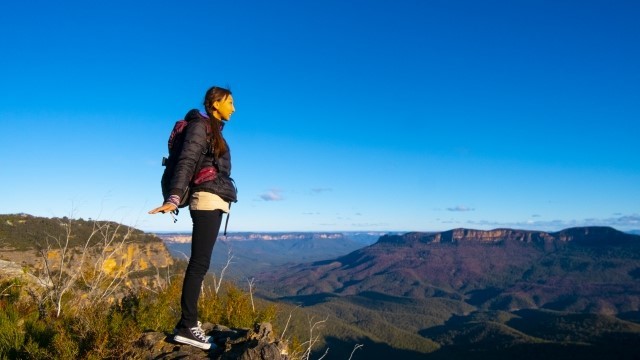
(40, 245)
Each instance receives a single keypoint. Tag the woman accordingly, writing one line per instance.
(212, 192)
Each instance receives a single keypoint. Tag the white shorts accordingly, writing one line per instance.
(203, 200)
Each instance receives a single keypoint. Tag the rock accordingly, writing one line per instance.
(11, 270)
(231, 344)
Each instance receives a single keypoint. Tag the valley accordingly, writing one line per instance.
(457, 294)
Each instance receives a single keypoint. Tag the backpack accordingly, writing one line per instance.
(175, 144)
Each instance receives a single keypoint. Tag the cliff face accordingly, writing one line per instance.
(592, 235)
(243, 236)
(138, 257)
(461, 236)
(38, 245)
(140, 262)
(493, 236)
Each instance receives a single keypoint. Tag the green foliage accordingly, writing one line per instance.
(109, 331)
(11, 338)
(157, 311)
(23, 232)
(232, 307)
(236, 307)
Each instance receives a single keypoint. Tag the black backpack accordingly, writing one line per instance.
(175, 144)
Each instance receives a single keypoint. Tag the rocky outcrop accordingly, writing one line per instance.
(592, 235)
(460, 236)
(28, 241)
(11, 270)
(231, 344)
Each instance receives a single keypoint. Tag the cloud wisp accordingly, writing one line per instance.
(460, 208)
(621, 222)
(272, 195)
(320, 190)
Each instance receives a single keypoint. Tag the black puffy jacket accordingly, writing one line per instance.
(196, 142)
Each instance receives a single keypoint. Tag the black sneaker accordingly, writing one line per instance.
(192, 336)
(209, 339)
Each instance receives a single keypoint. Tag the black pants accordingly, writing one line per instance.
(206, 225)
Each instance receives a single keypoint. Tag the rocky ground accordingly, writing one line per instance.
(237, 344)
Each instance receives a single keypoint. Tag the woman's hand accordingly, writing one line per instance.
(166, 207)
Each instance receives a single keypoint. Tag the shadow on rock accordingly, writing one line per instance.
(238, 344)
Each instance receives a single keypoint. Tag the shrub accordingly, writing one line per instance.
(232, 307)
(157, 310)
(11, 337)
(101, 330)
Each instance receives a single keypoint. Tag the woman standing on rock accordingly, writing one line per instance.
(212, 192)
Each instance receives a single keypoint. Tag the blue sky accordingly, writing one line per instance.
(351, 115)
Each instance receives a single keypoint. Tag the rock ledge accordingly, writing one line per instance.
(238, 344)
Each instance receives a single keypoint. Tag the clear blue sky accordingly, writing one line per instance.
(351, 115)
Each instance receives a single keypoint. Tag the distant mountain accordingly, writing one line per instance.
(634, 232)
(593, 269)
(476, 294)
(365, 238)
(256, 252)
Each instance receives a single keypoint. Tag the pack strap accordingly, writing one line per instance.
(226, 223)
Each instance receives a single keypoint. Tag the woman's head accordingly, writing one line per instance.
(218, 103)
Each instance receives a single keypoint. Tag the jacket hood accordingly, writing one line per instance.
(195, 114)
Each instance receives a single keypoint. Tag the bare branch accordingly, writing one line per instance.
(325, 354)
(358, 346)
(287, 324)
(313, 339)
(7, 288)
(253, 307)
(61, 274)
(229, 261)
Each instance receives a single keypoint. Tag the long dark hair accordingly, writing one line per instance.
(216, 94)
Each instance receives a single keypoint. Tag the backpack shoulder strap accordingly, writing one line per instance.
(177, 129)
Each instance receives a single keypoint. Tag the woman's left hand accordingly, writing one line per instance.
(167, 207)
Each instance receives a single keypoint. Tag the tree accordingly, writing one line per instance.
(66, 266)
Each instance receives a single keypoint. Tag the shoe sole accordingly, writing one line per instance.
(198, 344)
(209, 337)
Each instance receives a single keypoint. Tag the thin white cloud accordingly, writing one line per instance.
(369, 225)
(272, 195)
(620, 222)
(320, 190)
(460, 208)
(626, 220)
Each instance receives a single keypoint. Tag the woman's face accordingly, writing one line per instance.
(225, 107)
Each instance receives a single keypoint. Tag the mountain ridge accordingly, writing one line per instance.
(476, 294)
(461, 235)
(592, 269)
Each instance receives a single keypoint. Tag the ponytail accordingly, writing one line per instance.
(214, 94)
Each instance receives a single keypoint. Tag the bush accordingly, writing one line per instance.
(232, 307)
(11, 338)
(109, 331)
(157, 311)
